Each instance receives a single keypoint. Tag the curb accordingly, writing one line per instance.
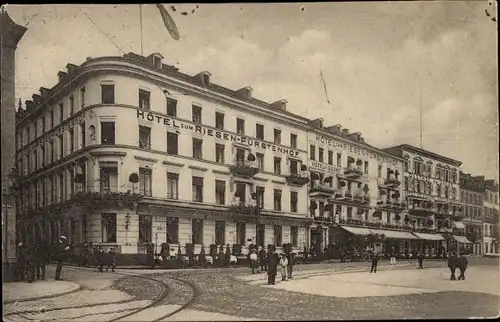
(36, 298)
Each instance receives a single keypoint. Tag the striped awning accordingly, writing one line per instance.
(391, 234)
(459, 225)
(429, 236)
(462, 239)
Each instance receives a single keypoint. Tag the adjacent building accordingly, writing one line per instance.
(490, 222)
(472, 196)
(128, 151)
(431, 182)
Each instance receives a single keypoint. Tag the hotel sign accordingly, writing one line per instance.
(169, 122)
(431, 180)
(59, 130)
(319, 166)
(355, 150)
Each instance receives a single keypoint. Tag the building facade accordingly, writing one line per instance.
(472, 196)
(127, 151)
(10, 33)
(431, 182)
(490, 222)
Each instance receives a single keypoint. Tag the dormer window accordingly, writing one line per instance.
(157, 62)
(206, 79)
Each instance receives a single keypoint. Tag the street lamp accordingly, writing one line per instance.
(257, 226)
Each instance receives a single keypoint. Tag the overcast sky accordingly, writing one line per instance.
(380, 62)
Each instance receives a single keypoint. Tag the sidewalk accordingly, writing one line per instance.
(24, 291)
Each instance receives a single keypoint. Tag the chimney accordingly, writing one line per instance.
(279, 105)
(345, 132)
(29, 106)
(245, 92)
(44, 91)
(36, 98)
(71, 68)
(61, 76)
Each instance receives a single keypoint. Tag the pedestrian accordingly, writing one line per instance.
(263, 259)
(272, 266)
(30, 258)
(111, 260)
(420, 258)
(393, 256)
(283, 264)
(21, 263)
(452, 264)
(100, 256)
(375, 259)
(253, 261)
(157, 260)
(462, 262)
(61, 251)
(201, 257)
(291, 263)
(41, 258)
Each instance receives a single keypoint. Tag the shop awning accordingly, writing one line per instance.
(357, 230)
(462, 239)
(429, 236)
(459, 225)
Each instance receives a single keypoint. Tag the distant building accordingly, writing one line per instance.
(11, 34)
(472, 196)
(490, 223)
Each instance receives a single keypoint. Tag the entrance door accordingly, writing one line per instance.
(317, 238)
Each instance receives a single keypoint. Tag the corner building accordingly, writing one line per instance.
(127, 151)
(355, 191)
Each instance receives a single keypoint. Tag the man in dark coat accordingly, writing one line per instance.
(263, 259)
(420, 258)
(111, 260)
(61, 251)
(291, 262)
(272, 266)
(42, 258)
(452, 264)
(462, 262)
(375, 259)
(21, 263)
(100, 257)
(30, 258)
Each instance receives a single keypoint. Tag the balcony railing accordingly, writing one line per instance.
(392, 182)
(245, 169)
(297, 179)
(353, 173)
(391, 204)
(349, 196)
(321, 190)
(242, 208)
(375, 224)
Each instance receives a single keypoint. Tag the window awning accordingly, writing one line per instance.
(391, 234)
(459, 225)
(357, 230)
(462, 239)
(429, 236)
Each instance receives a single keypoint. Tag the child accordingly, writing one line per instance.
(283, 264)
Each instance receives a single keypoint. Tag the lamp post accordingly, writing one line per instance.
(256, 198)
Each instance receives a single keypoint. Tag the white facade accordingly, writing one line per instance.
(491, 209)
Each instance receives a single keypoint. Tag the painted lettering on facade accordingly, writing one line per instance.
(215, 133)
(432, 180)
(355, 150)
(319, 166)
(63, 128)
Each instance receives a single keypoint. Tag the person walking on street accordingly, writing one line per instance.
(375, 259)
(30, 258)
(100, 256)
(272, 267)
(253, 261)
(462, 262)
(291, 263)
(263, 259)
(283, 264)
(61, 251)
(41, 258)
(21, 263)
(393, 256)
(452, 264)
(420, 258)
(201, 258)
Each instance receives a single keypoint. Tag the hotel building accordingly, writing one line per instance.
(355, 190)
(490, 222)
(431, 182)
(472, 197)
(127, 151)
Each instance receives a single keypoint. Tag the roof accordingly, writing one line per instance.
(397, 150)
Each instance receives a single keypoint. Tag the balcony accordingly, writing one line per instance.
(321, 191)
(349, 196)
(107, 198)
(392, 182)
(244, 169)
(297, 179)
(424, 208)
(353, 173)
(391, 205)
(242, 208)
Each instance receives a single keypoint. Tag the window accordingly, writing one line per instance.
(240, 126)
(61, 112)
(294, 197)
(349, 212)
(261, 234)
(82, 96)
(35, 134)
(277, 136)
(197, 183)
(240, 156)
(157, 61)
(294, 167)
(145, 229)
(277, 165)
(197, 231)
(293, 141)
(109, 177)
(71, 140)
(220, 192)
(321, 208)
(219, 153)
(241, 192)
(339, 160)
(35, 159)
(259, 131)
(144, 137)
(144, 99)
(312, 151)
(219, 121)
(380, 171)
(108, 133)
(52, 152)
(42, 148)
(172, 230)
(172, 185)
(172, 143)
(277, 199)
(171, 107)
(260, 161)
(107, 94)
(366, 167)
(28, 133)
(220, 232)
(196, 111)
(406, 166)
(61, 146)
(294, 231)
(241, 233)
(108, 224)
(71, 104)
(406, 184)
(330, 157)
(320, 156)
(145, 182)
(51, 122)
(82, 135)
(197, 148)
(278, 236)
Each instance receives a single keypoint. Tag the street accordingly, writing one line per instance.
(322, 291)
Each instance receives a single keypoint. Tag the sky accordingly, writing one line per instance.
(381, 62)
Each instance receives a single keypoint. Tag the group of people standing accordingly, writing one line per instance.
(104, 260)
(270, 260)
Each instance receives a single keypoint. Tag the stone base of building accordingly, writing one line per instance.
(9, 271)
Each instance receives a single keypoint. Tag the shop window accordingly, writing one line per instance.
(294, 232)
(172, 230)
